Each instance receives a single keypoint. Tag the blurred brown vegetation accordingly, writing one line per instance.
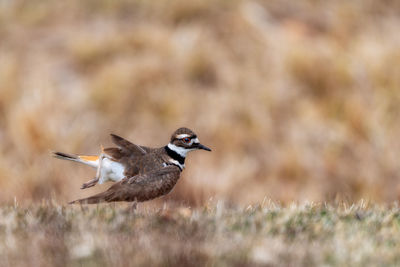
(300, 100)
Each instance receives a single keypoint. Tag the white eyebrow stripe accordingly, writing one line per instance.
(182, 136)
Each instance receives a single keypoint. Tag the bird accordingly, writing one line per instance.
(139, 173)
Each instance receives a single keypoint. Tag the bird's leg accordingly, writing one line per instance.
(90, 183)
(94, 181)
(101, 157)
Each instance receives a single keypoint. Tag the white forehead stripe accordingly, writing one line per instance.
(180, 136)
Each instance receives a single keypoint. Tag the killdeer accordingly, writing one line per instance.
(140, 173)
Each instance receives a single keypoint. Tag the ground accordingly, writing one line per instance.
(266, 234)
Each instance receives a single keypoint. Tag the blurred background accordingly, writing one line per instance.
(299, 100)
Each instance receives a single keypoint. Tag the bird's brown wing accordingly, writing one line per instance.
(139, 188)
(127, 146)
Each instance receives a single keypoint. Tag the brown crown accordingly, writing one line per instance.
(182, 130)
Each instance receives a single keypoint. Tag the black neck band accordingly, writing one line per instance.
(174, 155)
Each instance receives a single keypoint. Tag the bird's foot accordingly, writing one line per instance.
(90, 183)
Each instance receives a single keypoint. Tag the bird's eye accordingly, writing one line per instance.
(186, 140)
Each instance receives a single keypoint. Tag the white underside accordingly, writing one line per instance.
(111, 171)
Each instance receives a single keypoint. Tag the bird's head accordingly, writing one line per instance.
(184, 140)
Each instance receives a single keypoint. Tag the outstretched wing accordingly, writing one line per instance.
(125, 145)
(139, 187)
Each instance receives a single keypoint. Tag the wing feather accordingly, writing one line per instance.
(139, 187)
(126, 145)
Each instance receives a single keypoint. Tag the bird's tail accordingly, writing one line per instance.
(92, 161)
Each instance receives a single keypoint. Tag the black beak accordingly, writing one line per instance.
(200, 146)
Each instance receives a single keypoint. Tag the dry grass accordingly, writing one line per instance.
(266, 234)
(299, 100)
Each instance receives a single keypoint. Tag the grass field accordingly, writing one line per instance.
(266, 234)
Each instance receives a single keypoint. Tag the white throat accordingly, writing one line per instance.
(180, 150)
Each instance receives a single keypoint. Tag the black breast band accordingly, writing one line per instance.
(174, 155)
